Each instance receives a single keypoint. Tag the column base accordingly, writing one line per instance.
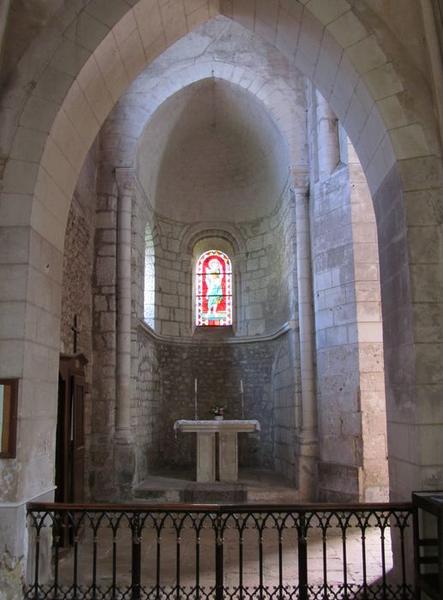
(308, 478)
(124, 467)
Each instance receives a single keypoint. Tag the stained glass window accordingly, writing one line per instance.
(214, 290)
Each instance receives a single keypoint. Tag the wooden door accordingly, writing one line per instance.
(70, 449)
(61, 446)
(78, 438)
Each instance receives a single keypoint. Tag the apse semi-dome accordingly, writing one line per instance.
(211, 152)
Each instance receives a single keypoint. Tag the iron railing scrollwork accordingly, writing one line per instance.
(221, 552)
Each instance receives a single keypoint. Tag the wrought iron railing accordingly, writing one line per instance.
(144, 552)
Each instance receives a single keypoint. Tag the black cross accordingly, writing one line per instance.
(76, 331)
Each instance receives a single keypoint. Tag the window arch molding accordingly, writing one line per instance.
(229, 234)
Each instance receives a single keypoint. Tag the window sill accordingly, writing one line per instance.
(209, 332)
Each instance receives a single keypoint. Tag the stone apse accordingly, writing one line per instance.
(92, 192)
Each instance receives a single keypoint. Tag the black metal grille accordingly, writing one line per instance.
(215, 552)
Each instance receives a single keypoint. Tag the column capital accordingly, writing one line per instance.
(300, 190)
(299, 177)
(125, 179)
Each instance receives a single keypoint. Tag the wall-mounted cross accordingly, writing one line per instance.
(75, 329)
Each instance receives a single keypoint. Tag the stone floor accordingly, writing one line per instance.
(253, 486)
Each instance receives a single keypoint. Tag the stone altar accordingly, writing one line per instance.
(226, 431)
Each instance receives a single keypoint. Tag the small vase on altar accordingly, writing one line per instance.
(218, 411)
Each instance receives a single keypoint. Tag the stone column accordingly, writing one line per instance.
(124, 451)
(124, 214)
(308, 441)
(328, 146)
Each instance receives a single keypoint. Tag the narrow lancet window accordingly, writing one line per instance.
(214, 290)
(149, 287)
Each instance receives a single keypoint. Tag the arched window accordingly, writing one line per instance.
(149, 284)
(213, 290)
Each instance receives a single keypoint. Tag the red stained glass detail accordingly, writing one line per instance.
(214, 290)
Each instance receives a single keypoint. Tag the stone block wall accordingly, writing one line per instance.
(173, 280)
(349, 345)
(146, 404)
(162, 377)
(101, 472)
(286, 406)
(265, 369)
(348, 335)
(268, 284)
(264, 272)
(144, 363)
(375, 479)
(164, 374)
(265, 298)
(348, 324)
(337, 350)
(78, 261)
(77, 290)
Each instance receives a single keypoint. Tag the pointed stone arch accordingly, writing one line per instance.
(61, 97)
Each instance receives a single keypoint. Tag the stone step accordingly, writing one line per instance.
(263, 487)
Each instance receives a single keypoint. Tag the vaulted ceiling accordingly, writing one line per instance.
(211, 152)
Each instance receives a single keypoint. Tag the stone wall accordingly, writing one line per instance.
(144, 363)
(263, 238)
(265, 369)
(173, 280)
(162, 376)
(264, 273)
(78, 262)
(348, 340)
(375, 480)
(51, 110)
(265, 298)
(268, 285)
(77, 290)
(286, 406)
(337, 351)
(146, 405)
(349, 345)
(101, 471)
(406, 399)
(348, 326)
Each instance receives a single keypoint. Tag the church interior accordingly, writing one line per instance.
(221, 233)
